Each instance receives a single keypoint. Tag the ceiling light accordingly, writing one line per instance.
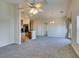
(34, 6)
(35, 12)
(61, 11)
(52, 22)
(32, 10)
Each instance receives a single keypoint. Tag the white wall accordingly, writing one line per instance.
(39, 27)
(58, 28)
(7, 20)
(17, 25)
(25, 19)
(78, 29)
(6, 24)
(74, 14)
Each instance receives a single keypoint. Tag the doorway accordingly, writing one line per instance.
(24, 30)
(46, 28)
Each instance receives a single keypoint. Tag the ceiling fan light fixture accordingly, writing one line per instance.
(52, 22)
(34, 6)
(35, 12)
(32, 10)
(38, 6)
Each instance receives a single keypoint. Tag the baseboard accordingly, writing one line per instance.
(7, 44)
(75, 48)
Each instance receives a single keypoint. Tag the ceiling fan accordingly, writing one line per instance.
(35, 6)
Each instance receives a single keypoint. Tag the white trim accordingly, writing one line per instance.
(7, 44)
(75, 49)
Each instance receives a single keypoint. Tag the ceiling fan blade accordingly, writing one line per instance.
(27, 3)
(32, 6)
(38, 5)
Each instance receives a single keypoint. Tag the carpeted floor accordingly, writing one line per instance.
(42, 47)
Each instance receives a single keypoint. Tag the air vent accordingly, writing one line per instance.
(61, 12)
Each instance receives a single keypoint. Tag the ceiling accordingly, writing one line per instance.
(14, 1)
(54, 8)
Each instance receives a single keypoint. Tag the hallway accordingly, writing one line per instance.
(42, 47)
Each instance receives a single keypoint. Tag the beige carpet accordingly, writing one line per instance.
(42, 47)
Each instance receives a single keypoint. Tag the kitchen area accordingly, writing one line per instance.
(27, 33)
